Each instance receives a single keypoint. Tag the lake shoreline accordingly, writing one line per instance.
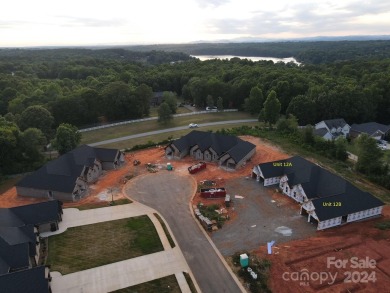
(252, 58)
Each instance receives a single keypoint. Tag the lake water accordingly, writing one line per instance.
(275, 60)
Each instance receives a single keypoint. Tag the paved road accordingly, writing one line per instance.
(169, 194)
(168, 130)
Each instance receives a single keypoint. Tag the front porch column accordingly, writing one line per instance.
(308, 219)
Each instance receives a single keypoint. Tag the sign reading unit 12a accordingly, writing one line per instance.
(282, 164)
(331, 204)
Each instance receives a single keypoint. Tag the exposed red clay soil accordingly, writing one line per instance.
(352, 243)
(355, 239)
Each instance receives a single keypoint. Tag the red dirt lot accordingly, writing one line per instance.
(114, 180)
(359, 240)
(357, 244)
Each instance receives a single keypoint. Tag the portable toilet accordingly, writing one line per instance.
(244, 260)
(169, 167)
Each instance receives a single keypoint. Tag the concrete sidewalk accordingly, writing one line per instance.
(124, 273)
(73, 217)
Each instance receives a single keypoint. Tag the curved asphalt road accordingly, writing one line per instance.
(168, 130)
(169, 193)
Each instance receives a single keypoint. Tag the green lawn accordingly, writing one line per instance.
(146, 126)
(179, 110)
(102, 204)
(90, 246)
(164, 285)
(163, 136)
(162, 223)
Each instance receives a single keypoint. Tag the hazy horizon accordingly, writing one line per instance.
(93, 23)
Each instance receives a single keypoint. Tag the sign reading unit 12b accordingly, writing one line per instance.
(282, 164)
(331, 204)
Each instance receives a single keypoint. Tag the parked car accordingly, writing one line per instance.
(211, 108)
(193, 125)
(382, 144)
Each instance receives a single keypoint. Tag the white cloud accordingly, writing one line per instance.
(43, 22)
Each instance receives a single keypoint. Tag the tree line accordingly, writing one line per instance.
(88, 86)
(308, 52)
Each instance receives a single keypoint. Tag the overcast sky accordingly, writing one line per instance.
(87, 22)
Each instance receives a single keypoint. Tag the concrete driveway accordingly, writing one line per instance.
(260, 219)
(124, 273)
(169, 193)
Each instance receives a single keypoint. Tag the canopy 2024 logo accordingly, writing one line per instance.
(357, 271)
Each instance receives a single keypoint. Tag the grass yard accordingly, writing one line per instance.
(90, 246)
(190, 282)
(179, 110)
(175, 134)
(146, 126)
(164, 285)
(103, 204)
(169, 237)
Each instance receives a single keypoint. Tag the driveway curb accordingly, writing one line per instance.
(166, 244)
(212, 243)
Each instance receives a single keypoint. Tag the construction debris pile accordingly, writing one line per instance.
(197, 167)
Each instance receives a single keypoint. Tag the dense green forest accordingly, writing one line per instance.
(88, 86)
(318, 52)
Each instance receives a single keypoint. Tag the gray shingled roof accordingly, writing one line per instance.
(61, 174)
(9, 219)
(316, 181)
(370, 128)
(240, 150)
(27, 281)
(351, 201)
(320, 186)
(15, 256)
(320, 132)
(220, 143)
(32, 214)
(19, 235)
(340, 122)
(39, 213)
(18, 244)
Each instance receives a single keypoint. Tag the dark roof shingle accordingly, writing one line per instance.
(61, 174)
(27, 281)
(370, 128)
(220, 143)
(335, 123)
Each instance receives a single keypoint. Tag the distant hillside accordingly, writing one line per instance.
(308, 52)
(111, 53)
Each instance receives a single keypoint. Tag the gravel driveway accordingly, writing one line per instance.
(259, 219)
